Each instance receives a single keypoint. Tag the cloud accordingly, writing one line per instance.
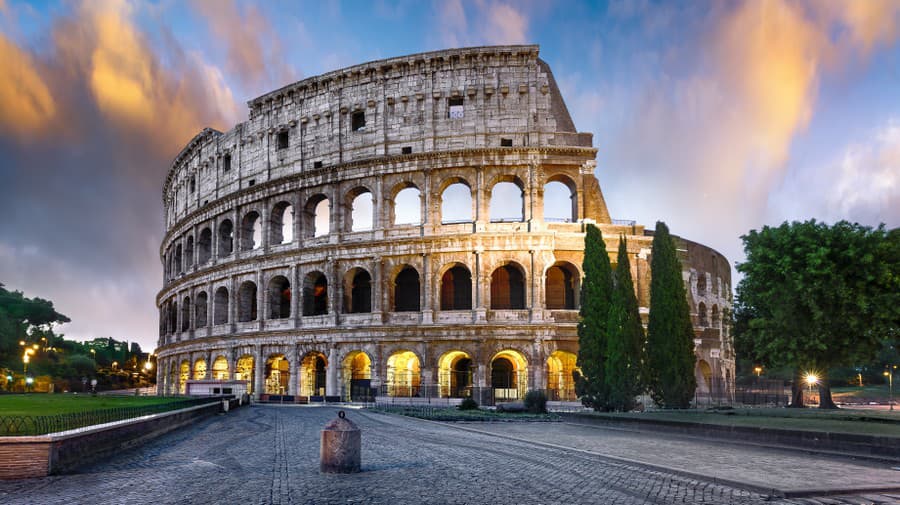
(493, 22)
(26, 105)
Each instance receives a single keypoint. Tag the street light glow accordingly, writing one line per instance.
(811, 379)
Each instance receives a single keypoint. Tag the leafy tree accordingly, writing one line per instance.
(670, 334)
(625, 340)
(596, 293)
(815, 297)
(23, 318)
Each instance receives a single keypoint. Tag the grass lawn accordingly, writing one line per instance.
(865, 394)
(865, 422)
(51, 404)
(454, 414)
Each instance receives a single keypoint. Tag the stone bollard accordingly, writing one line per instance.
(341, 446)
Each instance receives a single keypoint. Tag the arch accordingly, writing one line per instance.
(279, 298)
(456, 201)
(362, 210)
(703, 374)
(251, 231)
(560, 199)
(560, 379)
(407, 205)
(200, 369)
(281, 224)
(455, 374)
(278, 375)
(317, 216)
(200, 305)
(247, 302)
(220, 368)
(356, 376)
(403, 374)
(172, 385)
(189, 252)
(220, 306)
(226, 238)
(244, 371)
(313, 368)
(507, 200)
(456, 288)
(714, 318)
(561, 285)
(315, 294)
(184, 373)
(357, 291)
(508, 287)
(509, 375)
(701, 315)
(178, 269)
(406, 290)
(701, 283)
(186, 314)
(204, 246)
(173, 316)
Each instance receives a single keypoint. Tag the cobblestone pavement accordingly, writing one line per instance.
(269, 455)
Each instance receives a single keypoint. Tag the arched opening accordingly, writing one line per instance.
(178, 269)
(226, 238)
(317, 216)
(220, 306)
(406, 290)
(507, 288)
(200, 369)
(189, 252)
(173, 316)
(356, 373)
(703, 374)
(200, 319)
(281, 230)
(507, 202)
(278, 375)
(714, 319)
(184, 373)
(251, 231)
(456, 203)
(186, 314)
(561, 286)
(509, 375)
(312, 374)
(220, 368)
(247, 302)
(315, 294)
(279, 298)
(701, 315)
(560, 382)
(560, 200)
(244, 371)
(408, 206)
(455, 375)
(701, 283)
(357, 291)
(204, 252)
(362, 213)
(172, 385)
(456, 289)
(403, 374)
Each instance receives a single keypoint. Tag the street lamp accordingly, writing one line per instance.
(758, 370)
(890, 375)
(28, 382)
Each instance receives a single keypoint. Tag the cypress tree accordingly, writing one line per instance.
(625, 338)
(670, 334)
(596, 290)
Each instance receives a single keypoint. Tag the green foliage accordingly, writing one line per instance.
(670, 334)
(596, 293)
(536, 401)
(815, 296)
(468, 404)
(26, 319)
(625, 340)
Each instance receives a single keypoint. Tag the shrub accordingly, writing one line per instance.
(536, 402)
(468, 404)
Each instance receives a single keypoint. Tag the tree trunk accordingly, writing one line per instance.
(797, 391)
(825, 400)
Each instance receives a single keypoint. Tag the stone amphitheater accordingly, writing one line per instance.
(409, 228)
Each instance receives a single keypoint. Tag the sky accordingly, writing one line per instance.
(715, 117)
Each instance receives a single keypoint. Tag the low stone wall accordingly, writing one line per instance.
(42, 455)
(882, 447)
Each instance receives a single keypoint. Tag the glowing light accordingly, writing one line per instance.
(811, 379)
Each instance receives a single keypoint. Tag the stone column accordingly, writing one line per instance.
(481, 211)
(293, 369)
(537, 367)
(266, 225)
(425, 294)
(296, 295)
(214, 246)
(331, 373)
(210, 305)
(259, 365)
(262, 306)
(480, 314)
(232, 304)
(209, 365)
(378, 290)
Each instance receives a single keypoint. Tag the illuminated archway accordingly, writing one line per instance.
(455, 374)
(244, 371)
(172, 385)
(312, 374)
(184, 373)
(509, 375)
(220, 368)
(703, 373)
(560, 383)
(403, 374)
(356, 375)
(278, 375)
(200, 369)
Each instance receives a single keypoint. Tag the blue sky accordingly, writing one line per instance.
(716, 117)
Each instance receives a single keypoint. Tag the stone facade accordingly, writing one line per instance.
(273, 275)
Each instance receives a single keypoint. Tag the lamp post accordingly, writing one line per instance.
(758, 371)
(811, 379)
(890, 375)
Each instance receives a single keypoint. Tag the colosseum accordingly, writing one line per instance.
(409, 228)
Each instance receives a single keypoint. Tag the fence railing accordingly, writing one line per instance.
(41, 425)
